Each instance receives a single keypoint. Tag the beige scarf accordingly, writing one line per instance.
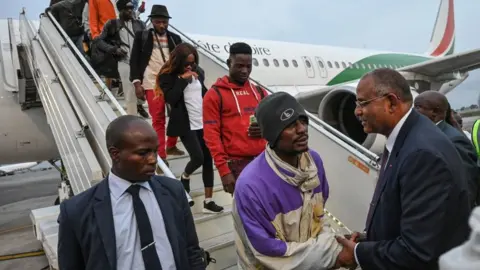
(305, 177)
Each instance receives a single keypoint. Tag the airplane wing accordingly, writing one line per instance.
(460, 62)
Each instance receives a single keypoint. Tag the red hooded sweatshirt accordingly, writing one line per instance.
(231, 141)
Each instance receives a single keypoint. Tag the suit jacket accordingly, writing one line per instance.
(86, 238)
(172, 87)
(142, 50)
(467, 153)
(423, 208)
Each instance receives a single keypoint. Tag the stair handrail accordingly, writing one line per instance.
(364, 151)
(87, 65)
(167, 172)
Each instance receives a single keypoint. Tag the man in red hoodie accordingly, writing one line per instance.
(233, 138)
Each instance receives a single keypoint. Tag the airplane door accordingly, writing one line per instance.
(308, 66)
(321, 67)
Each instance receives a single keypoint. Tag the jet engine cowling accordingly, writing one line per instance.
(337, 109)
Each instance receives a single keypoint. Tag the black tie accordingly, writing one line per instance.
(147, 244)
(379, 184)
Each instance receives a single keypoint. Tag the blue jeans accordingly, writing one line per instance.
(78, 41)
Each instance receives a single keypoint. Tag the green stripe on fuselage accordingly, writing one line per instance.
(380, 60)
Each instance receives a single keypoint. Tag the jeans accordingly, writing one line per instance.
(156, 108)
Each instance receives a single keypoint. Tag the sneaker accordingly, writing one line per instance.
(142, 111)
(211, 208)
(185, 183)
(174, 151)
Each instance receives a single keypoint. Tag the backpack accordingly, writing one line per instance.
(259, 90)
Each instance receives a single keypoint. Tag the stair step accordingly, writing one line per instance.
(43, 214)
(222, 249)
(211, 225)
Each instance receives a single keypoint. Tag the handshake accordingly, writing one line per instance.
(346, 258)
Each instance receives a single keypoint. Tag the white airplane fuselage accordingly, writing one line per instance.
(292, 67)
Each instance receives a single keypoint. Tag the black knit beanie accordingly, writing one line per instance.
(123, 4)
(276, 112)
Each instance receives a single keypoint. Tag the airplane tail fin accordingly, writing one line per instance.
(442, 42)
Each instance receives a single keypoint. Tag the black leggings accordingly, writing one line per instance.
(199, 155)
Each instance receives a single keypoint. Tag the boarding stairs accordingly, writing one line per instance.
(79, 109)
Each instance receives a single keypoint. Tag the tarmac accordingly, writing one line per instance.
(19, 194)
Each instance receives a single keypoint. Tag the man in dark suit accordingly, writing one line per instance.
(132, 219)
(150, 50)
(420, 205)
(434, 105)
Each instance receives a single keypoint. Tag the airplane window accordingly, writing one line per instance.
(350, 64)
(337, 65)
(294, 62)
(255, 62)
(343, 65)
(357, 66)
(391, 67)
(369, 66)
(285, 63)
(363, 66)
(275, 62)
(320, 63)
(329, 64)
(374, 66)
(309, 65)
(265, 62)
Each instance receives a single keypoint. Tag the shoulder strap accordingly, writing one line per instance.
(260, 91)
(220, 107)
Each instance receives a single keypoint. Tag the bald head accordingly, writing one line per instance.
(124, 125)
(433, 105)
(132, 144)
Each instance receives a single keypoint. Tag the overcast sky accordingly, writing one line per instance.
(403, 26)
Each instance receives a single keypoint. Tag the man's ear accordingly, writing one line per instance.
(229, 61)
(114, 153)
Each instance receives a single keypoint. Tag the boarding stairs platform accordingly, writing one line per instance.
(79, 107)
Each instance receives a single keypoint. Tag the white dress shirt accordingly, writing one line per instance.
(127, 236)
(389, 145)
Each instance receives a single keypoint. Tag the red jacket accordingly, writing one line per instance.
(232, 141)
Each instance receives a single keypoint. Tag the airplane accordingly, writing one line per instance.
(322, 78)
(12, 168)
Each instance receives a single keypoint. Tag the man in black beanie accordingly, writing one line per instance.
(284, 187)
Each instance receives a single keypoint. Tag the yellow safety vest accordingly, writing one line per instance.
(476, 136)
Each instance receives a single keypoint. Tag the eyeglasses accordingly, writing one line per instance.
(363, 104)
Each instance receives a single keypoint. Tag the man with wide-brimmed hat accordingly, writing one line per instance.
(151, 49)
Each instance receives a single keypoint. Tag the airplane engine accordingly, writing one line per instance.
(337, 109)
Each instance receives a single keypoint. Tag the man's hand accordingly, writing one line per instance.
(346, 258)
(139, 91)
(119, 52)
(356, 237)
(228, 182)
(254, 131)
